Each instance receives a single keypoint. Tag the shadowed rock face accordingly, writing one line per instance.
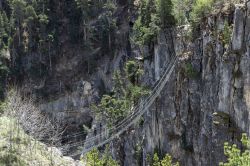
(77, 75)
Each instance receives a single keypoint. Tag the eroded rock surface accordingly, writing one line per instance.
(197, 111)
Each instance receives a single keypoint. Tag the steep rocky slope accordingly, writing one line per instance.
(205, 103)
(19, 149)
(70, 73)
(207, 99)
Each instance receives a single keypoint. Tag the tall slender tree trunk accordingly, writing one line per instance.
(50, 61)
(19, 33)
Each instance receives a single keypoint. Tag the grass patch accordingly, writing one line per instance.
(19, 149)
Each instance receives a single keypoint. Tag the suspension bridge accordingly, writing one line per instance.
(108, 134)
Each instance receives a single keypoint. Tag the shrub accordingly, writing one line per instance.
(227, 33)
(235, 155)
(30, 13)
(19, 149)
(153, 15)
(181, 10)
(200, 9)
(166, 161)
(4, 30)
(148, 23)
(125, 93)
(112, 108)
(143, 35)
(31, 119)
(165, 12)
(94, 158)
(43, 19)
(133, 71)
(190, 71)
(2, 107)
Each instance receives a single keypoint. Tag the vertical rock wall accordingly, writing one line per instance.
(207, 100)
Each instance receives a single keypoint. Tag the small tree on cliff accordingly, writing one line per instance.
(165, 11)
(166, 161)
(235, 155)
(126, 92)
(94, 158)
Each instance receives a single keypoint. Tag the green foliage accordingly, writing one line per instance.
(200, 9)
(138, 151)
(190, 71)
(119, 89)
(43, 19)
(226, 34)
(110, 5)
(18, 11)
(106, 28)
(153, 15)
(19, 149)
(28, 29)
(4, 71)
(30, 13)
(4, 31)
(94, 158)
(113, 108)
(144, 35)
(12, 159)
(147, 8)
(103, 31)
(165, 12)
(166, 161)
(83, 5)
(146, 26)
(28, 22)
(133, 71)
(124, 94)
(135, 92)
(2, 107)
(191, 11)
(89, 8)
(156, 160)
(235, 155)
(181, 10)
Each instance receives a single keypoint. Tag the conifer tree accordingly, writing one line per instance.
(2, 31)
(165, 10)
(147, 8)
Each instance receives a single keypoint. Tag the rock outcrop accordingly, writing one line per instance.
(207, 100)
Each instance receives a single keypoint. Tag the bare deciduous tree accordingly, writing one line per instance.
(29, 116)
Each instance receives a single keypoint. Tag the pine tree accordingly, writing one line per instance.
(4, 30)
(18, 8)
(165, 10)
(30, 13)
(6, 23)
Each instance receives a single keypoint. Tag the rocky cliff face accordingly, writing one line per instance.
(206, 101)
(72, 76)
(72, 72)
